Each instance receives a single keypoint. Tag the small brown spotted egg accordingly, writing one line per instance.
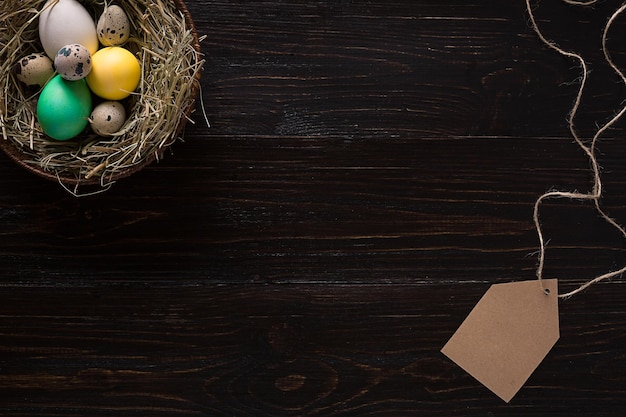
(107, 118)
(73, 62)
(113, 26)
(34, 69)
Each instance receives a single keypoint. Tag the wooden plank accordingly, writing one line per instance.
(322, 210)
(267, 350)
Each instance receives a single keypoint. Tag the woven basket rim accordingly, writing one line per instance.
(15, 154)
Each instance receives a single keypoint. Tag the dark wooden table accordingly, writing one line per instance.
(370, 171)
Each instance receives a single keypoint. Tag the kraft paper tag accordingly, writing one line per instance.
(507, 335)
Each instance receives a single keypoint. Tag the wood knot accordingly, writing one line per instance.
(290, 382)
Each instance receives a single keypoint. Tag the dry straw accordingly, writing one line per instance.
(164, 39)
(589, 149)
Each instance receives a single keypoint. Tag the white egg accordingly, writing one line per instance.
(107, 118)
(63, 22)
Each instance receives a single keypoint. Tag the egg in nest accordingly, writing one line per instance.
(113, 26)
(73, 62)
(34, 69)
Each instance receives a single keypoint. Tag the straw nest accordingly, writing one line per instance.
(164, 40)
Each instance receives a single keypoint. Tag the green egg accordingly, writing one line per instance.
(64, 108)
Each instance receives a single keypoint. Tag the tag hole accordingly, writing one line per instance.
(546, 291)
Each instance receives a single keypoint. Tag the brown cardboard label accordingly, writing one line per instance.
(507, 335)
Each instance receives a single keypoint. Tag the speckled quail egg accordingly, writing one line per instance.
(34, 69)
(113, 26)
(73, 62)
(107, 118)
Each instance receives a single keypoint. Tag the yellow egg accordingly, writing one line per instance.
(115, 73)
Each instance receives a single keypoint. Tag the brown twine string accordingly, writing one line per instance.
(580, 3)
(590, 150)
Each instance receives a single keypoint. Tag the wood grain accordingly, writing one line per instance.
(271, 350)
(370, 170)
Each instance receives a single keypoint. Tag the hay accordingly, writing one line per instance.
(164, 40)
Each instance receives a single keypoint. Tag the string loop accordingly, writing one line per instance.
(590, 150)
